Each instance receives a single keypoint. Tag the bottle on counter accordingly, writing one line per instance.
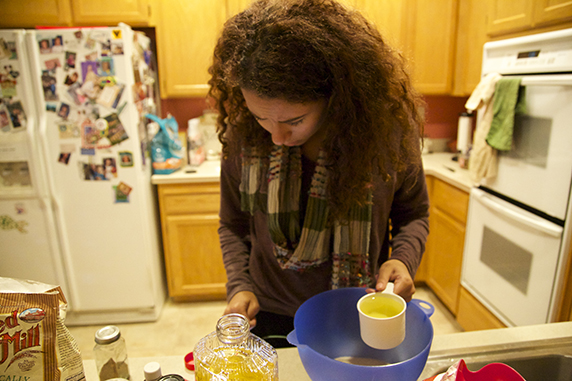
(152, 371)
(233, 353)
(195, 145)
(110, 354)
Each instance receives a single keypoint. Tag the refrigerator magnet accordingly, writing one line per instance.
(49, 86)
(4, 52)
(57, 44)
(64, 157)
(71, 78)
(125, 159)
(8, 223)
(110, 167)
(5, 124)
(121, 197)
(70, 60)
(124, 188)
(69, 130)
(17, 115)
(105, 67)
(45, 46)
(117, 48)
(64, 111)
(105, 48)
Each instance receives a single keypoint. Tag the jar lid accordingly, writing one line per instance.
(107, 335)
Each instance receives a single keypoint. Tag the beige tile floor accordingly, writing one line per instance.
(182, 325)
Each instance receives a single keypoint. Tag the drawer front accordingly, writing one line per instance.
(189, 198)
(191, 203)
(450, 199)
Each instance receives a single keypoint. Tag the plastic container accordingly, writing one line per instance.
(327, 334)
(110, 354)
(195, 146)
(233, 353)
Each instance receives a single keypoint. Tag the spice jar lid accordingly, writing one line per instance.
(107, 335)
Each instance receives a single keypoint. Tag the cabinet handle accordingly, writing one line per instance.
(545, 227)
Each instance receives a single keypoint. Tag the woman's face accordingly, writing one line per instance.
(290, 124)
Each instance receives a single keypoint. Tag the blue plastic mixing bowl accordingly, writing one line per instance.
(326, 328)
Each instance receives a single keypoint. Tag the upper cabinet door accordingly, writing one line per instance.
(432, 42)
(29, 13)
(235, 6)
(111, 12)
(187, 31)
(390, 17)
(552, 11)
(509, 15)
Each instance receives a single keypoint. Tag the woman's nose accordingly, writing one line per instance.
(280, 134)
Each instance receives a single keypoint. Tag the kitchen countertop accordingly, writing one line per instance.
(291, 369)
(208, 171)
(439, 165)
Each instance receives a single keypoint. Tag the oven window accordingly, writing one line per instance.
(531, 138)
(507, 259)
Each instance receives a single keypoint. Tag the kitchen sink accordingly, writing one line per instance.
(539, 360)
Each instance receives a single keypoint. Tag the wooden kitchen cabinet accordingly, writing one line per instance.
(187, 31)
(473, 316)
(507, 16)
(448, 216)
(471, 36)
(425, 31)
(193, 258)
(30, 13)
(111, 12)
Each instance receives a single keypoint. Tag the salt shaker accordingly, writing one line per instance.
(110, 354)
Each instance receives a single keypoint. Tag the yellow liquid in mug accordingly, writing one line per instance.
(380, 306)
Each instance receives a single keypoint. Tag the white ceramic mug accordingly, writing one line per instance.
(382, 318)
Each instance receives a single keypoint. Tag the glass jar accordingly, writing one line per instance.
(110, 354)
(233, 353)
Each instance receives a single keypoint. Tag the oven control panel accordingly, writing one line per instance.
(537, 54)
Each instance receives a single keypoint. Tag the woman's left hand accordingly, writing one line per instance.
(395, 271)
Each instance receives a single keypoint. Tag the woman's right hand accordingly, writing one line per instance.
(244, 303)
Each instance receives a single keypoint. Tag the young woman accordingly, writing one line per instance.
(321, 172)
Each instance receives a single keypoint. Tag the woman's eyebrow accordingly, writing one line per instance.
(280, 121)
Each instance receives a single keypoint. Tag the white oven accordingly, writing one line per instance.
(518, 234)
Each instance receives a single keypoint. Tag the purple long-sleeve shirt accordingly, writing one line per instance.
(248, 249)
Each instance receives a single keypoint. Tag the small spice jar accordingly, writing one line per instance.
(110, 354)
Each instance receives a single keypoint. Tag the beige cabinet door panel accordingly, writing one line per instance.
(111, 12)
(194, 260)
(508, 15)
(447, 258)
(31, 13)
(552, 11)
(187, 31)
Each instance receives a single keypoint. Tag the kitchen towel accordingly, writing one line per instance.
(508, 100)
(483, 159)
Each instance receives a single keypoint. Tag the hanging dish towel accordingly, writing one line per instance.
(509, 99)
(483, 159)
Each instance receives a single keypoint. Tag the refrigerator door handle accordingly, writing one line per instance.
(545, 227)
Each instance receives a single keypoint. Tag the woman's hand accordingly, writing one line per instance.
(395, 271)
(244, 303)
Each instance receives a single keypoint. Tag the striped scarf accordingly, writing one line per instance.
(272, 185)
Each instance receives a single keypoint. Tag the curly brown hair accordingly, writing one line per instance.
(306, 50)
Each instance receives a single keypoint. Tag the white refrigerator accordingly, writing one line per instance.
(77, 207)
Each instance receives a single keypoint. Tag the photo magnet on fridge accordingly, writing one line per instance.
(17, 115)
(125, 159)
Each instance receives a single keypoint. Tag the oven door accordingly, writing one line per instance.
(537, 171)
(510, 259)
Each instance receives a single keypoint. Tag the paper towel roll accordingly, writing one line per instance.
(464, 130)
